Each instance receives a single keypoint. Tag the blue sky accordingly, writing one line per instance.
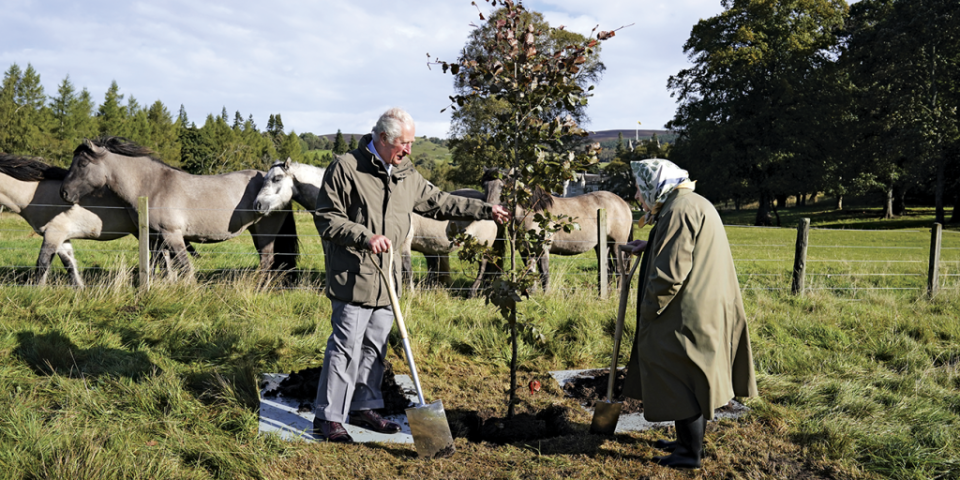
(327, 65)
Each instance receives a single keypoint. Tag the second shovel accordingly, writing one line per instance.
(607, 414)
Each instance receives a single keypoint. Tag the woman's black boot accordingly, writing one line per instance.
(689, 448)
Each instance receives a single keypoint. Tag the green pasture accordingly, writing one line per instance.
(858, 378)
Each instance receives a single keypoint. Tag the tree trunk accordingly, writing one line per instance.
(801, 200)
(938, 192)
(781, 201)
(900, 201)
(736, 202)
(513, 363)
(955, 218)
(888, 204)
(839, 202)
(764, 219)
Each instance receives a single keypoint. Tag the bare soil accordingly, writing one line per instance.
(591, 387)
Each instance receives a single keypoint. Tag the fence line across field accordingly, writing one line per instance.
(798, 274)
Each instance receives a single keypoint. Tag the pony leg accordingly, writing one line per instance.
(181, 258)
(263, 242)
(543, 263)
(475, 288)
(65, 252)
(443, 269)
(47, 251)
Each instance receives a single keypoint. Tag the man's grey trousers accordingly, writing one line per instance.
(353, 363)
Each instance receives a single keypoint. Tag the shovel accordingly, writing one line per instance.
(428, 423)
(606, 414)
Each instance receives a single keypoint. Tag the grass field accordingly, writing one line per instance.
(859, 378)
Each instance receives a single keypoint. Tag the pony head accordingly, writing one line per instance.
(86, 172)
(278, 189)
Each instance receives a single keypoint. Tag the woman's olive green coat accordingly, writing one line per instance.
(692, 339)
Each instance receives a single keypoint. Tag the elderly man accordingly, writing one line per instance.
(363, 208)
(692, 348)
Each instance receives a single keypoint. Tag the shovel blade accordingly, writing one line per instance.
(431, 432)
(605, 418)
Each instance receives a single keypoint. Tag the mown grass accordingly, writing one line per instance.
(106, 382)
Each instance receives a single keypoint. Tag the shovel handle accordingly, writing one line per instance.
(618, 331)
(398, 316)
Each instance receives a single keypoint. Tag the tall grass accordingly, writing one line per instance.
(108, 382)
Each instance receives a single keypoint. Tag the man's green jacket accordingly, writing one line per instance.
(358, 200)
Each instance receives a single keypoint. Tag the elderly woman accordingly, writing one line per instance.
(692, 348)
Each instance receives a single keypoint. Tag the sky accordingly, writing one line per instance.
(328, 65)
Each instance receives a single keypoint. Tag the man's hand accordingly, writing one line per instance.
(500, 214)
(378, 244)
(638, 246)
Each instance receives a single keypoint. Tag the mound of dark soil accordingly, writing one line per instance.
(302, 386)
(591, 387)
(554, 421)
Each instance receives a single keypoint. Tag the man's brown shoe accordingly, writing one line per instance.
(372, 420)
(330, 431)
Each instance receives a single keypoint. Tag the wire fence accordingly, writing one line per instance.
(841, 261)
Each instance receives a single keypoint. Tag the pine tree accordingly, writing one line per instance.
(353, 143)
(165, 139)
(182, 117)
(237, 120)
(621, 149)
(25, 121)
(339, 145)
(111, 116)
(291, 148)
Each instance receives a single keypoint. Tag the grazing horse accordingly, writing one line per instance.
(183, 207)
(288, 181)
(30, 188)
(581, 209)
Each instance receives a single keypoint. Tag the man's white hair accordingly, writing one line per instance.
(391, 123)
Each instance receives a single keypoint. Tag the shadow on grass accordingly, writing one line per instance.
(54, 354)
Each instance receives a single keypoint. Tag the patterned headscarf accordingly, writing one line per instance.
(657, 179)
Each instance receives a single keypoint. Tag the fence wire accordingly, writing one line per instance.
(890, 260)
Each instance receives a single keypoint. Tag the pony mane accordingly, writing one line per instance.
(29, 169)
(540, 200)
(118, 146)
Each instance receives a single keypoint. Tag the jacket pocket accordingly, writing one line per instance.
(346, 259)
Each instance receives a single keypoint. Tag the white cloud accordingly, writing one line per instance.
(326, 65)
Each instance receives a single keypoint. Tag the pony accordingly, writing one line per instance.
(183, 207)
(432, 238)
(581, 209)
(30, 188)
(288, 181)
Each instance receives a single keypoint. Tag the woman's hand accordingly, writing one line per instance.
(638, 246)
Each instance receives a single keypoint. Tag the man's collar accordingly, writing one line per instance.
(373, 149)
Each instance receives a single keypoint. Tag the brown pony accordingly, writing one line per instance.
(581, 209)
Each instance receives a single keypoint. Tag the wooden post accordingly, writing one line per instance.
(933, 273)
(602, 244)
(800, 258)
(143, 216)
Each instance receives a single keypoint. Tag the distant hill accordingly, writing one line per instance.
(608, 135)
(346, 136)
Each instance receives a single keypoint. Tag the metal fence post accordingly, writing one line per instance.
(143, 216)
(800, 258)
(933, 273)
(602, 249)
